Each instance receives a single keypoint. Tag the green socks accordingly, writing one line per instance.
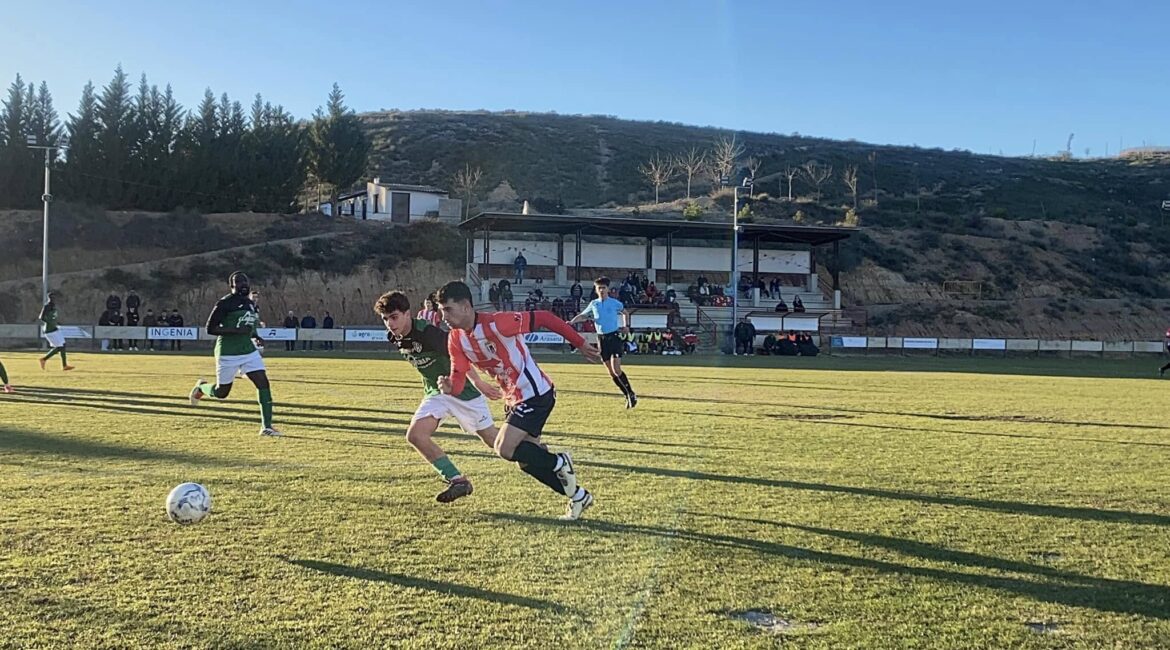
(266, 407)
(445, 467)
(64, 360)
(208, 390)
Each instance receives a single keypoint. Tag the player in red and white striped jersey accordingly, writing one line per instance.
(494, 343)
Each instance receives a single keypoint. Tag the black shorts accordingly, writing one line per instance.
(612, 345)
(530, 415)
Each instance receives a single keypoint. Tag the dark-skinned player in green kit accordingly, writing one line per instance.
(233, 322)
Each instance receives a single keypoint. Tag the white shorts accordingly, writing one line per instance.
(55, 339)
(473, 415)
(226, 367)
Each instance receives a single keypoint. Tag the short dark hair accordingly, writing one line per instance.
(392, 301)
(603, 281)
(454, 291)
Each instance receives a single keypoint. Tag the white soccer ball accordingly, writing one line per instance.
(188, 503)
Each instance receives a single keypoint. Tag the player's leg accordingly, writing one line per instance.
(619, 377)
(254, 369)
(420, 434)
(225, 374)
(4, 379)
(518, 441)
(475, 418)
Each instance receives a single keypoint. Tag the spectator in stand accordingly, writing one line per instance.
(105, 320)
(576, 294)
(162, 321)
(774, 287)
(763, 289)
(770, 343)
(327, 324)
(656, 341)
(113, 303)
(308, 322)
(668, 342)
(117, 320)
(797, 305)
(133, 302)
(786, 345)
(671, 295)
(652, 291)
(626, 294)
(745, 336)
(530, 302)
(175, 320)
(642, 299)
(520, 265)
(701, 280)
(690, 341)
(290, 322)
(704, 294)
(494, 295)
(558, 308)
(539, 288)
(506, 300)
(781, 307)
(132, 320)
(429, 313)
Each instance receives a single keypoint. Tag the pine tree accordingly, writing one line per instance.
(83, 157)
(115, 117)
(14, 152)
(338, 148)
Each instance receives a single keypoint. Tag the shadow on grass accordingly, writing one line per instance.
(992, 434)
(1011, 507)
(438, 586)
(30, 441)
(1119, 596)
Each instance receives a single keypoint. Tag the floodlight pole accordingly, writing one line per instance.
(735, 250)
(46, 198)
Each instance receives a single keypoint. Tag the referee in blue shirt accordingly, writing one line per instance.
(611, 319)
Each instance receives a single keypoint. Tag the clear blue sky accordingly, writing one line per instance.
(985, 76)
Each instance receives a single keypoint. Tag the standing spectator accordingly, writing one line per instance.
(290, 322)
(308, 323)
(745, 336)
(701, 280)
(774, 287)
(175, 320)
(148, 322)
(113, 302)
(494, 295)
(797, 305)
(507, 302)
(763, 289)
(106, 320)
(520, 265)
(327, 324)
(162, 321)
(132, 320)
(133, 302)
(117, 320)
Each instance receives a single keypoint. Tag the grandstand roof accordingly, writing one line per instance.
(622, 226)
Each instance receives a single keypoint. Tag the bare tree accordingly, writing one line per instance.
(466, 182)
(724, 154)
(692, 164)
(713, 173)
(658, 171)
(790, 172)
(850, 178)
(817, 174)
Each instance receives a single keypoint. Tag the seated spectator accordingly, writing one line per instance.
(704, 295)
(770, 342)
(782, 307)
(671, 295)
(558, 308)
(644, 343)
(786, 346)
(690, 341)
(701, 280)
(539, 290)
(530, 302)
(797, 305)
(806, 347)
(576, 293)
(545, 304)
(651, 291)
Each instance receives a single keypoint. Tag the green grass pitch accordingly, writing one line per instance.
(864, 503)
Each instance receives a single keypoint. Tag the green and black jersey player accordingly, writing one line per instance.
(4, 379)
(233, 322)
(425, 347)
(53, 333)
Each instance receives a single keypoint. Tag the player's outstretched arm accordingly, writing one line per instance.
(582, 317)
(549, 321)
(488, 389)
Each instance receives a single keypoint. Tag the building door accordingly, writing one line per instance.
(400, 207)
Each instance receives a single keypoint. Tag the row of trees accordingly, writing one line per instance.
(723, 164)
(140, 149)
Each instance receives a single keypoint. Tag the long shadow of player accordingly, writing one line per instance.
(32, 441)
(439, 586)
(1102, 594)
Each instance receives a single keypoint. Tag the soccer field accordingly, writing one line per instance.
(865, 503)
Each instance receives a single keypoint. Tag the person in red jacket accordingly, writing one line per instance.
(494, 344)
